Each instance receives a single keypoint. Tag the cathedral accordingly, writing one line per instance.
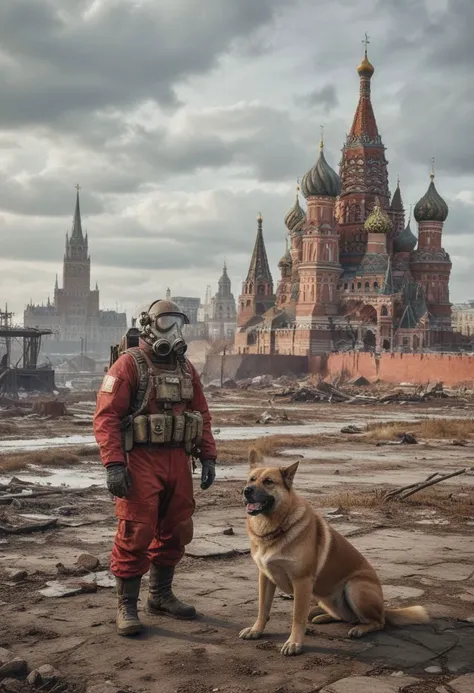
(74, 316)
(354, 276)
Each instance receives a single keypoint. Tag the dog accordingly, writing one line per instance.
(296, 550)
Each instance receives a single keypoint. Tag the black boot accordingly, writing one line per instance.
(128, 590)
(161, 599)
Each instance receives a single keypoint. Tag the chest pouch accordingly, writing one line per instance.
(168, 388)
(160, 428)
(187, 391)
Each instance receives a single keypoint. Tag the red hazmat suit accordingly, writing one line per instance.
(155, 520)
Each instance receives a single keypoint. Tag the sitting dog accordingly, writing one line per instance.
(296, 550)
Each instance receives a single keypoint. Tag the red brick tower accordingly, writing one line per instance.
(319, 269)
(257, 290)
(363, 173)
(430, 263)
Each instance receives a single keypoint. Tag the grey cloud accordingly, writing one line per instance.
(43, 196)
(326, 98)
(121, 55)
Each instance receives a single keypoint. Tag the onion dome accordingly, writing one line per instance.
(366, 68)
(378, 220)
(321, 180)
(405, 242)
(296, 216)
(286, 260)
(431, 207)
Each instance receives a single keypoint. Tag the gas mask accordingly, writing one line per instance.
(162, 329)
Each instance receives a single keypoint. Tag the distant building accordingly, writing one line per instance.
(354, 276)
(190, 305)
(222, 322)
(74, 315)
(463, 318)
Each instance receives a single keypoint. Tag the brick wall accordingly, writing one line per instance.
(241, 366)
(451, 369)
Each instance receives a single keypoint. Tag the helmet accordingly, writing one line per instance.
(161, 327)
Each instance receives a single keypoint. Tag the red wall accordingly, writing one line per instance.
(451, 369)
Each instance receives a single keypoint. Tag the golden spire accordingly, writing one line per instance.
(366, 67)
(321, 141)
(297, 187)
(259, 218)
(432, 174)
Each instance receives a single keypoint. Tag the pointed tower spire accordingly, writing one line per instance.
(56, 285)
(257, 290)
(397, 204)
(168, 293)
(259, 268)
(77, 235)
(364, 124)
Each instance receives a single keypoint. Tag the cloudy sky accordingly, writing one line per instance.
(183, 119)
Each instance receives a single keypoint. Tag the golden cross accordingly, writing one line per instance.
(78, 187)
(366, 42)
(322, 136)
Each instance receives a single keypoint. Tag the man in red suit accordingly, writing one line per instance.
(151, 416)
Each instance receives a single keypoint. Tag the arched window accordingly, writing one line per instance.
(261, 290)
(376, 285)
(359, 286)
(367, 286)
(346, 286)
(384, 311)
(352, 286)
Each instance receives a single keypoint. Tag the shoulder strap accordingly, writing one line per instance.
(144, 380)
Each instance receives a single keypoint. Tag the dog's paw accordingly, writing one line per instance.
(291, 648)
(250, 634)
(323, 618)
(357, 632)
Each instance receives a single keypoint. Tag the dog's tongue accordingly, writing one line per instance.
(251, 507)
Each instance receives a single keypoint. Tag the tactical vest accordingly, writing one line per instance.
(165, 428)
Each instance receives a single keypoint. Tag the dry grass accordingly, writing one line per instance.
(426, 428)
(237, 451)
(8, 428)
(46, 458)
(452, 504)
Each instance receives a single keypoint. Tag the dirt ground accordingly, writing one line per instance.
(422, 548)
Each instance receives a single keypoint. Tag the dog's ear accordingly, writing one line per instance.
(288, 474)
(255, 458)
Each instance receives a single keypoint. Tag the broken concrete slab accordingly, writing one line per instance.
(400, 592)
(374, 684)
(463, 684)
(454, 572)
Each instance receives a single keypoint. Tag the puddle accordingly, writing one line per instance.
(79, 476)
(27, 444)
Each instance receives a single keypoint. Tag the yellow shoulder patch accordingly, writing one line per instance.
(108, 383)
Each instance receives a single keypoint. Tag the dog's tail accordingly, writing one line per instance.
(406, 616)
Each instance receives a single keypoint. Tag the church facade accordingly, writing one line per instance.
(74, 315)
(353, 276)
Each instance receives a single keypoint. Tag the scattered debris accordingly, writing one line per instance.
(16, 667)
(460, 443)
(51, 408)
(436, 478)
(67, 588)
(43, 675)
(15, 575)
(27, 528)
(403, 439)
(88, 562)
(351, 429)
(229, 532)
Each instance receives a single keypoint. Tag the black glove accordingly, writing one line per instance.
(208, 473)
(118, 479)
